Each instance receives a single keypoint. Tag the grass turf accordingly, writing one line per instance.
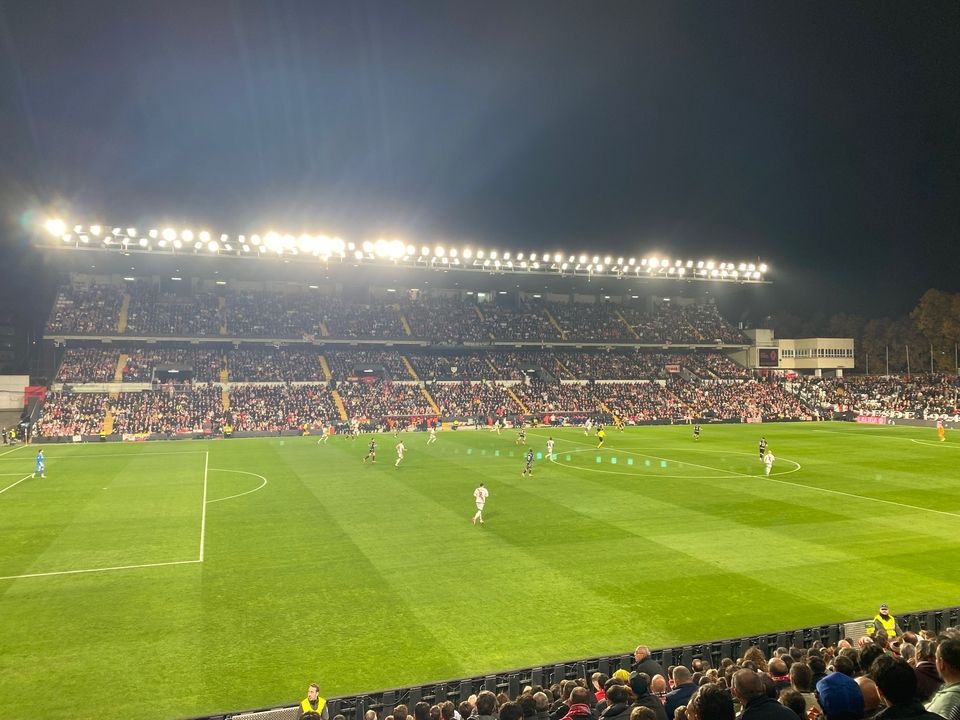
(365, 577)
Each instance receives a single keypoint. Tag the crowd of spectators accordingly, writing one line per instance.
(873, 679)
(355, 363)
(69, 414)
(142, 361)
(86, 310)
(168, 410)
(88, 365)
(918, 396)
(738, 400)
(473, 400)
(95, 310)
(455, 366)
(273, 408)
(271, 364)
(548, 398)
(382, 399)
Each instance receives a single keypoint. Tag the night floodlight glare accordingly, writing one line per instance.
(55, 227)
(467, 253)
(186, 235)
(204, 236)
(212, 246)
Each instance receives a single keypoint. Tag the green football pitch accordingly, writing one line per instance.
(163, 580)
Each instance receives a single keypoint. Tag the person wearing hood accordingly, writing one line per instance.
(640, 685)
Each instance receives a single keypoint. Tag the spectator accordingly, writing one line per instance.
(683, 686)
(947, 700)
(314, 703)
(897, 685)
(757, 705)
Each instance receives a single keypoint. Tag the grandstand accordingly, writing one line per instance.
(155, 342)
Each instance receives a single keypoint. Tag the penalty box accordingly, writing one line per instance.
(101, 511)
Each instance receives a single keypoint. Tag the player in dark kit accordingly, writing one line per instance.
(528, 470)
(696, 432)
(371, 452)
(763, 448)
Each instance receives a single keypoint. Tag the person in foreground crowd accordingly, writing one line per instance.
(946, 701)
(897, 685)
(749, 689)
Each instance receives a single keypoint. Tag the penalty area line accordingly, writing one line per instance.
(96, 570)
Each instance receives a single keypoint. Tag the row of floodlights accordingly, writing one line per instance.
(325, 247)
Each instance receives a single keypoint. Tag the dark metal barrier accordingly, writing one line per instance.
(513, 681)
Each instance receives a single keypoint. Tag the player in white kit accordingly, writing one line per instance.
(480, 496)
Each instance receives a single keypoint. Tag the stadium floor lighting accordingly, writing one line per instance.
(328, 250)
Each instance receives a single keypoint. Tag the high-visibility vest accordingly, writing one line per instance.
(305, 706)
(890, 625)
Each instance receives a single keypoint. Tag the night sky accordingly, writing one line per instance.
(822, 137)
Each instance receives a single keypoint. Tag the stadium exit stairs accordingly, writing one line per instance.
(341, 408)
(406, 326)
(430, 400)
(108, 422)
(410, 370)
(492, 366)
(225, 397)
(121, 364)
(629, 326)
(556, 325)
(523, 408)
(325, 369)
(222, 305)
(324, 331)
(124, 314)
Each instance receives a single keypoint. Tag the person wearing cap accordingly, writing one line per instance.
(840, 696)
(883, 620)
(947, 700)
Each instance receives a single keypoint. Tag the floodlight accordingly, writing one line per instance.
(186, 235)
(519, 256)
(751, 267)
(381, 248)
(131, 232)
(689, 263)
(480, 255)
(564, 266)
(212, 246)
(424, 250)
(496, 263)
(714, 273)
(204, 236)
(358, 254)
(224, 237)
(620, 261)
(533, 256)
(337, 245)
(255, 239)
(439, 251)
(154, 233)
(699, 264)
(633, 261)
(710, 264)
(84, 239)
(411, 250)
(467, 253)
(367, 246)
(306, 243)
(197, 245)
(763, 267)
(55, 227)
(453, 252)
(756, 275)
(177, 244)
(288, 242)
(66, 237)
(643, 261)
(486, 263)
(95, 230)
(493, 254)
(596, 259)
(506, 256)
(246, 248)
(116, 231)
(681, 272)
(583, 259)
(169, 234)
(607, 260)
(600, 268)
(671, 271)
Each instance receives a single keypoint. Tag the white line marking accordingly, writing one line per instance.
(7, 452)
(83, 455)
(861, 497)
(203, 516)
(931, 443)
(14, 484)
(9, 474)
(96, 570)
(244, 472)
(809, 487)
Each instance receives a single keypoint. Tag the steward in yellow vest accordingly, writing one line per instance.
(886, 622)
(313, 703)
